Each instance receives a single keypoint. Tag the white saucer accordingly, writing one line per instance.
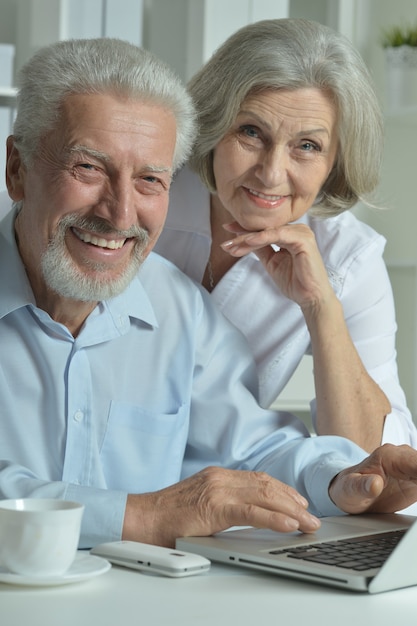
(85, 566)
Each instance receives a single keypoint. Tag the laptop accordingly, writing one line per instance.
(369, 553)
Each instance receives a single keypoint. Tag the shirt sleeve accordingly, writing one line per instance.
(100, 522)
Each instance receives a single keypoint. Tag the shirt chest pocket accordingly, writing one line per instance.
(143, 450)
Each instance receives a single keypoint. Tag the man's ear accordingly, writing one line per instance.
(14, 171)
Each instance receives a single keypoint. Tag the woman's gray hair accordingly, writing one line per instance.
(96, 66)
(294, 54)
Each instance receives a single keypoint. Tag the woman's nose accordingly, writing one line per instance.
(272, 167)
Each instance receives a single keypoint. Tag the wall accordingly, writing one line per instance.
(185, 33)
(8, 21)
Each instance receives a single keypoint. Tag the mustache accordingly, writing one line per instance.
(100, 226)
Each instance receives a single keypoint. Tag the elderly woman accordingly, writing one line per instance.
(290, 138)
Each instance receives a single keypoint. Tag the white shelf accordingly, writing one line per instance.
(8, 96)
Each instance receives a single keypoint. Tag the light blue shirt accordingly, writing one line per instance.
(156, 386)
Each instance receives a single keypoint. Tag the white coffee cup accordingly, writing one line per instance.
(39, 537)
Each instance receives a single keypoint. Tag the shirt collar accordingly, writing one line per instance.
(15, 287)
(134, 302)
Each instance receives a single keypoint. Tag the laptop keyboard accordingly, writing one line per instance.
(358, 553)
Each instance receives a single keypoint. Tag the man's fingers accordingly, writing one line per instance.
(259, 517)
(212, 500)
(267, 503)
(354, 493)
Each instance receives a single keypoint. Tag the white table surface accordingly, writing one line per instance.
(224, 596)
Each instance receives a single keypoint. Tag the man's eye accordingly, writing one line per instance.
(86, 172)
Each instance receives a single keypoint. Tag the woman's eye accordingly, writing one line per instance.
(309, 146)
(250, 131)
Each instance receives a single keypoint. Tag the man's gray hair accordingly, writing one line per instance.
(96, 66)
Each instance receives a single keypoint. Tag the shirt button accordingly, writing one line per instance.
(78, 416)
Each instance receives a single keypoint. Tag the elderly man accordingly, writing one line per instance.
(121, 386)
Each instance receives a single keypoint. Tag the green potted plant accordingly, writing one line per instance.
(397, 36)
(400, 47)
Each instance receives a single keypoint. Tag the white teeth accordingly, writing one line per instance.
(265, 197)
(98, 241)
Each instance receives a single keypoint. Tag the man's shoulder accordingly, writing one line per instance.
(157, 271)
(170, 290)
(156, 262)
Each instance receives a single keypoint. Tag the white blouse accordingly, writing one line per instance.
(273, 324)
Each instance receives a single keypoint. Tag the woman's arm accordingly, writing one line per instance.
(349, 401)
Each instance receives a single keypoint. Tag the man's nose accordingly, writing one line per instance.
(119, 205)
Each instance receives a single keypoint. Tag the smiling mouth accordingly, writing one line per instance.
(263, 196)
(100, 242)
